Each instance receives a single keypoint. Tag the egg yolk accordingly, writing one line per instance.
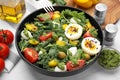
(72, 30)
(89, 44)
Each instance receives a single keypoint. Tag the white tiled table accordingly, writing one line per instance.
(23, 72)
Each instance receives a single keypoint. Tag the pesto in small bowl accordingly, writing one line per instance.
(109, 58)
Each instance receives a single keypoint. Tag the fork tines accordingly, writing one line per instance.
(47, 6)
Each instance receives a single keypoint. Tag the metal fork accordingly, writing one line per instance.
(47, 6)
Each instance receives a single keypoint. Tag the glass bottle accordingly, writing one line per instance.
(12, 10)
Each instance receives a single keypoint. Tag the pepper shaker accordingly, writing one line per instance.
(110, 33)
(100, 12)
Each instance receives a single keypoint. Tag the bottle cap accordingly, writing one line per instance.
(100, 10)
(110, 30)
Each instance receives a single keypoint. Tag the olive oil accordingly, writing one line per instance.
(12, 10)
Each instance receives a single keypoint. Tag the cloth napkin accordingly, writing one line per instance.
(11, 61)
(13, 57)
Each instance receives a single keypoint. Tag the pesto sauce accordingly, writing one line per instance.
(109, 59)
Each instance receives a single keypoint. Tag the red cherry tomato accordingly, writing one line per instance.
(45, 37)
(51, 14)
(70, 66)
(41, 19)
(87, 34)
(30, 54)
(6, 36)
(2, 64)
(4, 50)
(42, 38)
(49, 35)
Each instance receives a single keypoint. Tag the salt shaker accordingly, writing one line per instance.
(110, 33)
(100, 12)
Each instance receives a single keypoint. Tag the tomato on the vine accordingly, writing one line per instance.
(2, 64)
(6, 36)
(30, 54)
(4, 50)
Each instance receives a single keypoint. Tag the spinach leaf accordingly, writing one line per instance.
(53, 52)
(94, 32)
(78, 16)
(79, 54)
(23, 44)
(61, 65)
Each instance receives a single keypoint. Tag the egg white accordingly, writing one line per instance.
(76, 35)
(93, 41)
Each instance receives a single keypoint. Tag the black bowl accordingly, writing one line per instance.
(30, 18)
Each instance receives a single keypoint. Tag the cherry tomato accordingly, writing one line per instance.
(2, 64)
(42, 38)
(49, 35)
(87, 34)
(41, 19)
(70, 66)
(45, 37)
(51, 14)
(6, 36)
(4, 50)
(30, 54)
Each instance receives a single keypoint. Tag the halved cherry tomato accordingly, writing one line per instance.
(4, 50)
(45, 37)
(6, 36)
(87, 34)
(2, 64)
(70, 66)
(30, 54)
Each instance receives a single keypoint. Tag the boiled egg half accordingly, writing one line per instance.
(73, 31)
(91, 45)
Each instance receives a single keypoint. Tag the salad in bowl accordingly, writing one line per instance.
(60, 41)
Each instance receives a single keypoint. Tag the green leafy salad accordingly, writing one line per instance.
(60, 41)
